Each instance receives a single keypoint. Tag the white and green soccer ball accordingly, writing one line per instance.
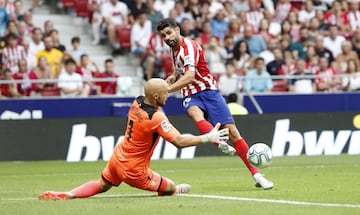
(259, 155)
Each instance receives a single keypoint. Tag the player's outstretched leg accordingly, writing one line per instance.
(83, 191)
(242, 148)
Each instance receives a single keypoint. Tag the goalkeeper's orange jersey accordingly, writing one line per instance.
(144, 128)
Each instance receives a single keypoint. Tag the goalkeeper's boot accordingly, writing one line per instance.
(182, 188)
(50, 195)
(261, 181)
(225, 148)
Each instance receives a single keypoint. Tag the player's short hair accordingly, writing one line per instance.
(167, 22)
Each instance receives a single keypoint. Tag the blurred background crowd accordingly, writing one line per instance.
(267, 46)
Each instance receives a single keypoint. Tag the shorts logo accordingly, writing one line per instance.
(165, 125)
(186, 102)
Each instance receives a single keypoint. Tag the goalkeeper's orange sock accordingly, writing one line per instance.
(242, 148)
(204, 127)
(86, 190)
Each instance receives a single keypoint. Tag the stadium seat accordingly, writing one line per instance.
(50, 92)
(81, 8)
(280, 86)
(68, 3)
(124, 33)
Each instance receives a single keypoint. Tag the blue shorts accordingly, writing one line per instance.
(213, 104)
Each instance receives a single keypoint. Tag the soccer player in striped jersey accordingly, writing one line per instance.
(201, 97)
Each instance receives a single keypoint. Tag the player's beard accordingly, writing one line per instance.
(172, 43)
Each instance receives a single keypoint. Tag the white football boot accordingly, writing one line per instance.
(261, 181)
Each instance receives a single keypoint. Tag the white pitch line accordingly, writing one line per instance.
(233, 198)
(276, 201)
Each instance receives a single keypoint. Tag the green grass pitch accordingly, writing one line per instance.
(220, 185)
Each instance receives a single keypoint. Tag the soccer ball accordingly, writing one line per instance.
(259, 155)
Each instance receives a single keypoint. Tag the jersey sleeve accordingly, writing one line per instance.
(190, 56)
(162, 126)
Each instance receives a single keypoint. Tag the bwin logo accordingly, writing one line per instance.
(328, 142)
(93, 147)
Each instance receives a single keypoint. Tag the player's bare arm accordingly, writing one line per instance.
(184, 80)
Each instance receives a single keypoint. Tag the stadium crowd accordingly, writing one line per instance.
(250, 45)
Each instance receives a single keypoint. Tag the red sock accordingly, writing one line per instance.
(204, 127)
(162, 188)
(242, 148)
(86, 190)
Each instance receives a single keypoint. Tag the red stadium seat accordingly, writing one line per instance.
(123, 34)
(68, 3)
(280, 86)
(50, 92)
(81, 8)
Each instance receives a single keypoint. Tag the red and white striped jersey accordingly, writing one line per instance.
(11, 57)
(254, 18)
(190, 56)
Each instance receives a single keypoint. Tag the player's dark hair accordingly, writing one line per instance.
(167, 22)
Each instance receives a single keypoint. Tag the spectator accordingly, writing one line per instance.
(294, 26)
(320, 5)
(187, 29)
(268, 54)
(206, 34)
(12, 53)
(235, 30)
(303, 82)
(321, 51)
(282, 10)
(356, 42)
(264, 31)
(334, 40)
(335, 16)
(229, 82)
(135, 8)
(254, 15)
(347, 54)
(258, 80)
(234, 107)
(220, 25)
(70, 82)
(48, 27)
(108, 87)
(315, 28)
(194, 8)
(31, 59)
(164, 6)
(320, 15)
(36, 44)
(158, 57)
(17, 15)
(12, 29)
(140, 35)
(215, 56)
(52, 55)
(255, 43)
(153, 15)
(228, 45)
(4, 18)
(43, 71)
(242, 59)
(76, 53)
(114, 13)
(28, 20)
(275, 66)
(353, 15)
(55, 35)
(26, 87)
(87, 74)
(327, 79)
(306, 13)
(9, 89)
(351, 80)
(95, 19)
